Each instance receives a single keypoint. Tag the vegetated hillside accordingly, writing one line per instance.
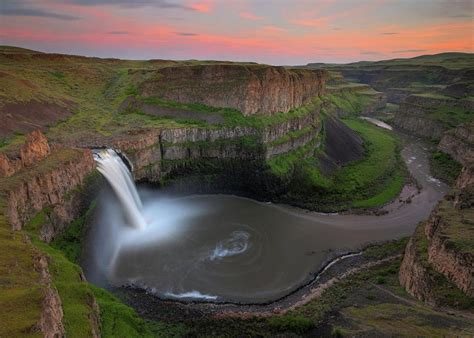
(428, 94)
(80, 102)
(158, 113)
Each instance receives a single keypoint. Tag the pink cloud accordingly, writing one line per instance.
(205, 6)
(250, 16)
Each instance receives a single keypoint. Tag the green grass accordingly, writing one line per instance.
(77, 296)
(451, 116)
(283, 165)
(292, 135)
(295, 324)
(120, 320)
(434, 96)
(444, 167)
(58, 75)
(234, 118)
(70, 241)
(391, 190)
(352, 103)
(372, 181)
(21, 295)
(378, 251)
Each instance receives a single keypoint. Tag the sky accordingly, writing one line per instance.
(279, 32)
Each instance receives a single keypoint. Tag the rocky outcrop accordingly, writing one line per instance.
(36, 190)
(419, 125)
(414, 274)
(50, 323)
(459, 143)
(45, 178)
(456, 266)
(147, 150)
(419, 115)
(443, 245)
(251, 89)
(35, 149)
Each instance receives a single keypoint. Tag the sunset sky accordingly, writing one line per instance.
(267, 31)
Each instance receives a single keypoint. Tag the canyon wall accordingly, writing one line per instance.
(40, 178)
(33, 150)
(459, 143)
(430, 117)
(437, 255)
(401, 76)
(251, 89)
(441, 252)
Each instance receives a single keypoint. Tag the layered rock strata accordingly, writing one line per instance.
(46, 179)
(251, 89)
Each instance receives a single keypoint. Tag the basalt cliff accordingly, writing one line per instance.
(440, 256)
(251, 89)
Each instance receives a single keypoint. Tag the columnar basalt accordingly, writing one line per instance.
(251, 89)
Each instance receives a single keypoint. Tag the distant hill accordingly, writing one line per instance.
(450, 60)
(17, 50)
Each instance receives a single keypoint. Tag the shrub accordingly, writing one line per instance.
(296, 324)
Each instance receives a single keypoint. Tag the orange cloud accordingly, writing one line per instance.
(250, 16)
(203, 6)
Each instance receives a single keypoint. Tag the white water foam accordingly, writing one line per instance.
(192, 294)
(237, 243)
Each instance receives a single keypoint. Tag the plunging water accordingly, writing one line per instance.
(226, 248)
(111, 166)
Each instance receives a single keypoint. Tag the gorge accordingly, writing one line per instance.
(217, 198)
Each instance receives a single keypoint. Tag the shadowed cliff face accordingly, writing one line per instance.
(441, 252)
(342, 145)
(459, 143)
(253, 89)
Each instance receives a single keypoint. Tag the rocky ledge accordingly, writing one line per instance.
(459, 143)
(43, 177)
(251, 89)
(440, 255)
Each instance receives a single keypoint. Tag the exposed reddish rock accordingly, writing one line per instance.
(251, 89)
(35, 149)
(49, 188)
(7, 167)
(414, 275)
(434, 247)
(50, 323)
(456, 266)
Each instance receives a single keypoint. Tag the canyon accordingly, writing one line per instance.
(275, 134)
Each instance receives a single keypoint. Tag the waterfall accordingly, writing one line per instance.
(111, 166)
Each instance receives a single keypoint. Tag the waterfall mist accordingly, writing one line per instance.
(226, 248)
(127, 218)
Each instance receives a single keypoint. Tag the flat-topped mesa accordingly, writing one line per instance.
(251, 89)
